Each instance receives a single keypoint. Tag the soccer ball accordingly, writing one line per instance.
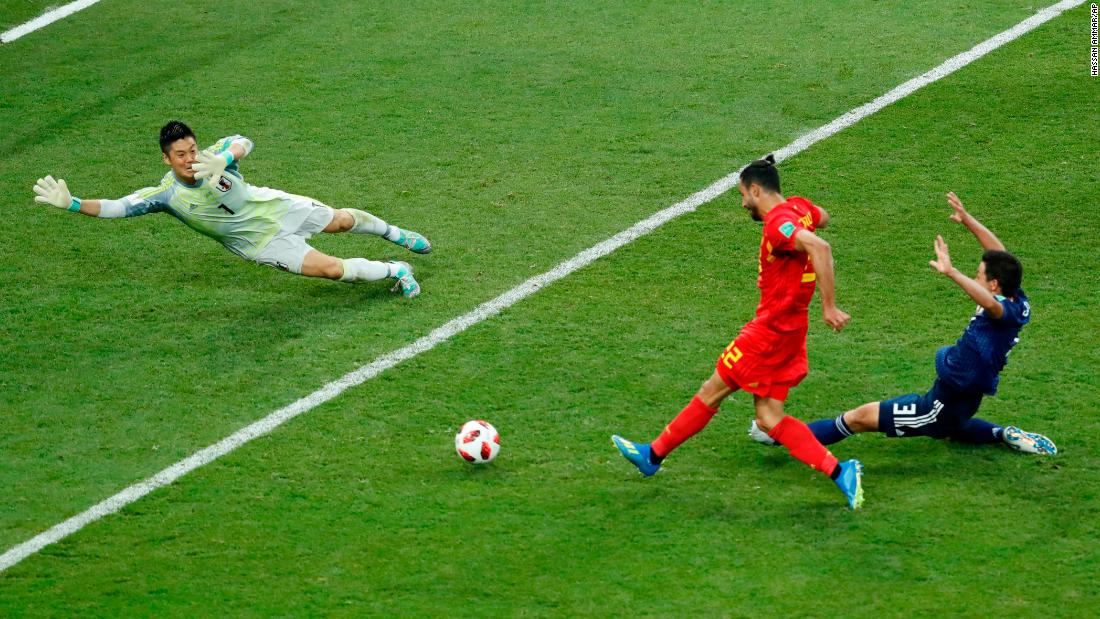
(477, 442)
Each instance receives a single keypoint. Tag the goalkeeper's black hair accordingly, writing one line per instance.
(174, 130)
(762, 172)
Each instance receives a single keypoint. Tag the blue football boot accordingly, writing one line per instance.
(850, 482)
(638, 454)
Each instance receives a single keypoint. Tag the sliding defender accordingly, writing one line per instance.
(967, 371)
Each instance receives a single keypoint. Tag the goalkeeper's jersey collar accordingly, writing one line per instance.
(196, 185)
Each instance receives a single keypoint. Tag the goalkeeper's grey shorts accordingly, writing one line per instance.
(288, 248)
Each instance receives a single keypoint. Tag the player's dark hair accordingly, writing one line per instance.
(762, 172)
(174, 130)
(1005, 268)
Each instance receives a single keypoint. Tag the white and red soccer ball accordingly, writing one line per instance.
(477, 442)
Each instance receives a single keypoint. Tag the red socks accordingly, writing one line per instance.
(799, 440)
(789, 432)
(695, 416)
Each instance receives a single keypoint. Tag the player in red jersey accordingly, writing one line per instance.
(768, 357)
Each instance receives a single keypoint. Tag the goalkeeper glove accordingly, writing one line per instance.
(211, 166)
(55, 193)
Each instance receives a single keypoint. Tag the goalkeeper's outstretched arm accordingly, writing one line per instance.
(56, 193)
(103, 208)
(240, 148)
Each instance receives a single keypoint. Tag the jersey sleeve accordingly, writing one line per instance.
(1016, 311)
(143, 201)
(223, 145)
(815, 213)
(780, 231)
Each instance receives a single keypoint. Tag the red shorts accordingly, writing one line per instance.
(764, 362)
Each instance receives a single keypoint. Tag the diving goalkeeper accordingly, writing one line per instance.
(206, 191)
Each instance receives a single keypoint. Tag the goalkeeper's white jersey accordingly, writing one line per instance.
(240, 216)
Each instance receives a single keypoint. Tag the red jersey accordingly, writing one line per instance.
(768, 358)
(787, 278)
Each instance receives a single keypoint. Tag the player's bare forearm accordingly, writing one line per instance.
(107, 209)
(979, 293)
(239, 151)
(824, 219)
(90, 208)
(984, 235)
(987, 239)
(821, 256)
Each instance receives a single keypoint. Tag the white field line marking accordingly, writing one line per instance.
(46, 19)
(491, 308)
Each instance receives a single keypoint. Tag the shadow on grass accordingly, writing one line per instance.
(126, 90)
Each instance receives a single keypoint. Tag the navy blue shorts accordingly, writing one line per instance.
(936, 414)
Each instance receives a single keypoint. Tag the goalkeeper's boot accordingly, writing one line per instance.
(638, 454)
(410, 240)
(1028, 442)
(760, 436)
(403, 273)
(850, 482)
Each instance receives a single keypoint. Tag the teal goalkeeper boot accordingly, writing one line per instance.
(403, 273)
(411, 241)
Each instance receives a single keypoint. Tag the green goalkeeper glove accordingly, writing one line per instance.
(211, 166)
(55, 193)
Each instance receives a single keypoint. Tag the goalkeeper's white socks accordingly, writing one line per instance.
(363, 270)
(365, 223)
(393, 233)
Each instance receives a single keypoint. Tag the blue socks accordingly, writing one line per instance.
(976, 430)
(979, 431)
(829, 431)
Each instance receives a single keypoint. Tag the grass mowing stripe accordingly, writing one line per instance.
(489, 309)
(45, 19)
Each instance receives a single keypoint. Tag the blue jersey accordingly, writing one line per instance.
(976, 359)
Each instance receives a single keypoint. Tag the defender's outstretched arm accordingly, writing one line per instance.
(983, 234)
(981, 296)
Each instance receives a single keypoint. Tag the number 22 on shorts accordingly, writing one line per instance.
(731, 355)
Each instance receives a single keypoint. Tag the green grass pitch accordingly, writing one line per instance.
(513, 135)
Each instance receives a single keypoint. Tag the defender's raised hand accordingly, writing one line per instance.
(942, 263)
(960, 214)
